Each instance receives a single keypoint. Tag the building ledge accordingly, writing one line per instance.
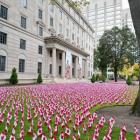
(55, 39)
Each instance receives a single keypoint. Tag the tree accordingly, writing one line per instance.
(39, 79)
(136, 70)
(102, 55)
(115, 46)
(14, 77)
(135, 12)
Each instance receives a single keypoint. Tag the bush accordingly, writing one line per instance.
(103, 78)
(14, 77)
(39, 79)
(129, 81)
(93, 79)
(97, 77)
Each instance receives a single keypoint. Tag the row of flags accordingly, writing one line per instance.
(66, 106)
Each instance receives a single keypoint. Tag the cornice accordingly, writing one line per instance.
(55, 39)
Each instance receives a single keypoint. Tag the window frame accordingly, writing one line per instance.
(3, 38)
(40, 14)
(23, 47)
(2, 63)
(23, 22)
(40, 31)
(39, 67)
(2, 13)
(21, 66)
(40, 49)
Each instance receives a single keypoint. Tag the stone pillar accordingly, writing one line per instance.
(54, 63)
(71, 69)
(63, 64)
(47, 63)
(86, 69)
(76, 68)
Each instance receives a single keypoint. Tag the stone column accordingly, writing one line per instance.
(71, 68)
(76, 68)
(47, 63)
(86, 69)
(54, 63)
(63, 64)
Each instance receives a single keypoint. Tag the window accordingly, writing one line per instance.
(23, 22)
(60, 28)
(40, 49)
(51, 8)
(40, 31)
(22, 44)
(67, 30)
(40, 14)
(40, 2)
(2, 62)
(67, 20)
(3, 12)
(72, 36)
(51, 21)
(3, 38)
(61, 14)
(21, 65)
(78, 40)
(24, 3)
(39, 67)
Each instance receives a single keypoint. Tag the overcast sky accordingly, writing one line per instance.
(125, 4)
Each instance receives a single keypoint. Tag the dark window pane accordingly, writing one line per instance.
(23, 22)
(3, 12)
(40, 31)
(2, 62)
(3, 38)
(22, 44)
(51, 21)
(40, 49)
(40, 13)
(39, 67)
(21, 65)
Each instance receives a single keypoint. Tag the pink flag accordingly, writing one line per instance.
(123, 133)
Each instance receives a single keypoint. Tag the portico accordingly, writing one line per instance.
(63, 60)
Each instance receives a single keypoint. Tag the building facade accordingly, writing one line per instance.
(127, 19)
(41, 36)
(103, 15)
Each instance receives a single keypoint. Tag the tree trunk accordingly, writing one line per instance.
(115, 74)
(135, 12)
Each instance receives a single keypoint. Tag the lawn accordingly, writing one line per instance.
(37, 111)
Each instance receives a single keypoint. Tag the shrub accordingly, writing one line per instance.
(103, 78)
(97, 77)
(129, 81)
(93, 79)
(39, 79)
(14, 77)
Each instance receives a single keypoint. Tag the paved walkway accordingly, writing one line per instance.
(121, 114)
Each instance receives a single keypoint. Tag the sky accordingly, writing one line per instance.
(125, 4)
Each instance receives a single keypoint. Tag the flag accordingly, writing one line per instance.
(136, 135)
(123, 133)
(61, 136)
(67, 131)
(43, 137)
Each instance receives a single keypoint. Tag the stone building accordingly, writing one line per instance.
(41, 36)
